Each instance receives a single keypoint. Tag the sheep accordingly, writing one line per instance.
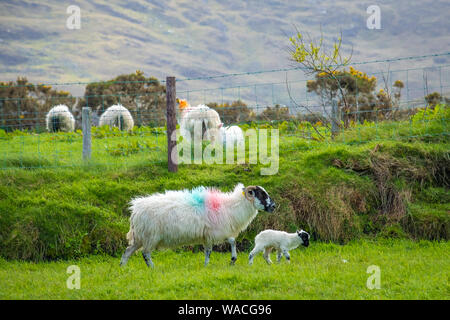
(232, 135)
(281, 241)
(188, 217)
(207, 120)
(59, 118)
(183, 107)
(117, 116)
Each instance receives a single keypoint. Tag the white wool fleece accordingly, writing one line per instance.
(278, 240)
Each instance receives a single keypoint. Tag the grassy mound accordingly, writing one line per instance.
(336, 191)
(387, 179)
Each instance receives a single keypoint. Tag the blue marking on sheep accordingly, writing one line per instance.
(196, 197)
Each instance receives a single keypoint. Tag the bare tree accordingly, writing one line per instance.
(315, 58)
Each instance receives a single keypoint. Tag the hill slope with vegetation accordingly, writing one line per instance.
(337, 190)
(193, 39)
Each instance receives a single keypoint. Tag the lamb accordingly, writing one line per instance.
(117, 116)
(59, 118)
(206, 119)
(280, 240)
(188, 217)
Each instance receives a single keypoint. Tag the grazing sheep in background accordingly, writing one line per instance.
(117, 116)
(200, 216)
(59, 118)
(207, 120)
(232, 135)
(281, 241)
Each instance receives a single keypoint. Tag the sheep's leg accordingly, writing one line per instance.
(253, 253)
(233, 250)
(286, 255)
(279, 255)
(148, 258)
(208, 249)
(128, 252)
(267, 255)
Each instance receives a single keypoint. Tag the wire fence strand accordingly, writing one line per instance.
(34, 136)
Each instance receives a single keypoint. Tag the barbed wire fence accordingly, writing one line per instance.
(28, 139)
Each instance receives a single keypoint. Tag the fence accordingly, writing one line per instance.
(281, 99)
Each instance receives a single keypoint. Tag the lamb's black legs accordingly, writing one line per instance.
(233, 250)
(279, 255)
(286, 255)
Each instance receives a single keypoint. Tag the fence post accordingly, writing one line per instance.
(171, 124)
(335, 121)
(86, 127)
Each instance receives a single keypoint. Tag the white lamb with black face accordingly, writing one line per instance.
(282, 241)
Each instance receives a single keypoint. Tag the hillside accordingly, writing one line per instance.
(338, 192)
(192, 39)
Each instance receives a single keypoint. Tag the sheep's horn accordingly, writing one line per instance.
(246, 193)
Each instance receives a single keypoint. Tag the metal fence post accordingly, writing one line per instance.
(171, 124)
(86, 127)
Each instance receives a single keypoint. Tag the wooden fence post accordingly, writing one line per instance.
(171, 124)
(86, 127)
(335, 119)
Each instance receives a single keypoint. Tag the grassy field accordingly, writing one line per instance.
(409, 270)
(376, 195)
(53, 206)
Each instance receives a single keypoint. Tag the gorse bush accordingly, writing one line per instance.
(24, 104)
(440, 112)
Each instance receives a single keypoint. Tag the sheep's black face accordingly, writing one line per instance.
(304, 236)
(262, 200)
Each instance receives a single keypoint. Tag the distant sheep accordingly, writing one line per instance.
(281, 241)
(232, 135)
(206, 119)
(200, 216)
(117, 116)
(59, 118)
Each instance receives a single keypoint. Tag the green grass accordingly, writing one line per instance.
(55, 206)
(70, 212)
(379, 197)
(409, 270)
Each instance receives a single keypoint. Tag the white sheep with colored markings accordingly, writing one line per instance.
(117, 116)
(188, 217)
(282, 241)
(199, 122)
(59, 118)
